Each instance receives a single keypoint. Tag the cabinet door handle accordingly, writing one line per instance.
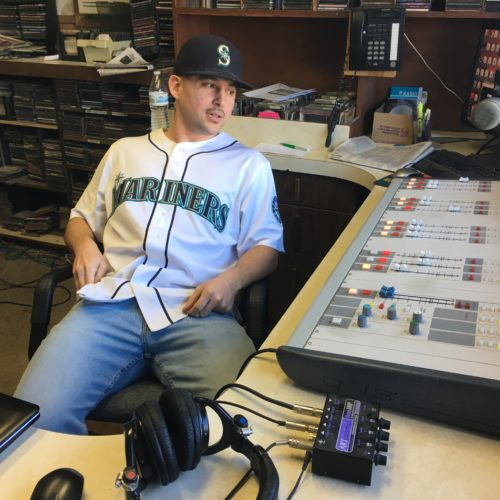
(296, 230)
(294, 281)
(297, 188)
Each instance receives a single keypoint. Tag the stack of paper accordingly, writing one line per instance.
(364, 152)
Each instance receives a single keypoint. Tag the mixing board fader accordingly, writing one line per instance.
(416, 300)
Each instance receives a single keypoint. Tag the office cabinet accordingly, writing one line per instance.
(314, 211)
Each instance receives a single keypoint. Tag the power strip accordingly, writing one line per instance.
(350, 439)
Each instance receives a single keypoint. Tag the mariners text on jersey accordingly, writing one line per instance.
(179, 193)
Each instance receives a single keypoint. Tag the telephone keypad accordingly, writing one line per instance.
(376, 35)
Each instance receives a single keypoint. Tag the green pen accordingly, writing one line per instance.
(292, 146)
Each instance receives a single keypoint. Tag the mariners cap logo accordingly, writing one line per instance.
(224, 58)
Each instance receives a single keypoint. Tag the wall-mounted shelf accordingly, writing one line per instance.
(307, 49)
(69, 70)
(339, 14)
(19, 123)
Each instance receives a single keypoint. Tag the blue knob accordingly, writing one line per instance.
(362, 321)
(367, 310)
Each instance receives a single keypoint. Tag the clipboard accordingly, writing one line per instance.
(16, 415)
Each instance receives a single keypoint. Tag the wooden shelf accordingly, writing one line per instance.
(307, 49)
(339, 14)
(25, 181)
(69, 70)
(19, 123)
(49, 239)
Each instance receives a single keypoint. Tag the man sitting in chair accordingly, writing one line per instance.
(187, 217)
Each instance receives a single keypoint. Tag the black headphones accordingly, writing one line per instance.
(169, 436)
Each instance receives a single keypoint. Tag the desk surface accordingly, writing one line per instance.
(425, 460)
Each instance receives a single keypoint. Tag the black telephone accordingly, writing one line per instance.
(376, 36)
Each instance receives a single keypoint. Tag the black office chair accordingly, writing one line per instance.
(119, 406)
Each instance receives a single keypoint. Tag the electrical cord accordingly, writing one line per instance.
(44, 257)
(486, 145)
(431, 70)
(280, 423)
(255, 393)
(64, 301)
(249, 358)
(10, 285)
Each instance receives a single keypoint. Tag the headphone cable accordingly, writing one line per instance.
(305, 464)
(248, 473)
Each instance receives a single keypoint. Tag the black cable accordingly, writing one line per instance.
(487, 144)
(45, 257)
(11, 303)
(305, 464)
(10, 285)
(280, 423)
(249, 358)
(248, 473)
(255, 393)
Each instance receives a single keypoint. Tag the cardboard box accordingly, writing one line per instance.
(392, 128)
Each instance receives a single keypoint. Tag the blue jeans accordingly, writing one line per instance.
(100, 348)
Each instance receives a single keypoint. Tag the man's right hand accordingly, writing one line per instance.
(89, 265)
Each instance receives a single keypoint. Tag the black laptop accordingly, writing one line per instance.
(16, 415)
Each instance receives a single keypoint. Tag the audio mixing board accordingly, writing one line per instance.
(410, 317)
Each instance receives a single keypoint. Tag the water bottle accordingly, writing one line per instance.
(158, 101)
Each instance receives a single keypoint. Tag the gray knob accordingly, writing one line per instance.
(414, 328)
(417, 317)
(391, 312)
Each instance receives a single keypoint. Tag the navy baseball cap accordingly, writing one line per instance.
(210, 55)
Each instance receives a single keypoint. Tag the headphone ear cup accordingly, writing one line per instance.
(156, 442)
(184, 418)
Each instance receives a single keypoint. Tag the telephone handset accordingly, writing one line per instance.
(375, 39)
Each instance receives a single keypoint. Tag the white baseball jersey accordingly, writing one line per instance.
(171, 216)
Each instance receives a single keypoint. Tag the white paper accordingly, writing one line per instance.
(277, 92)
(390, 157)
(126, 61)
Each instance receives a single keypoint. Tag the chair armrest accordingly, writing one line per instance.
(42, 305)
(254, 310)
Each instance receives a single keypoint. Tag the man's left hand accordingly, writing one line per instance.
(216, 294)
